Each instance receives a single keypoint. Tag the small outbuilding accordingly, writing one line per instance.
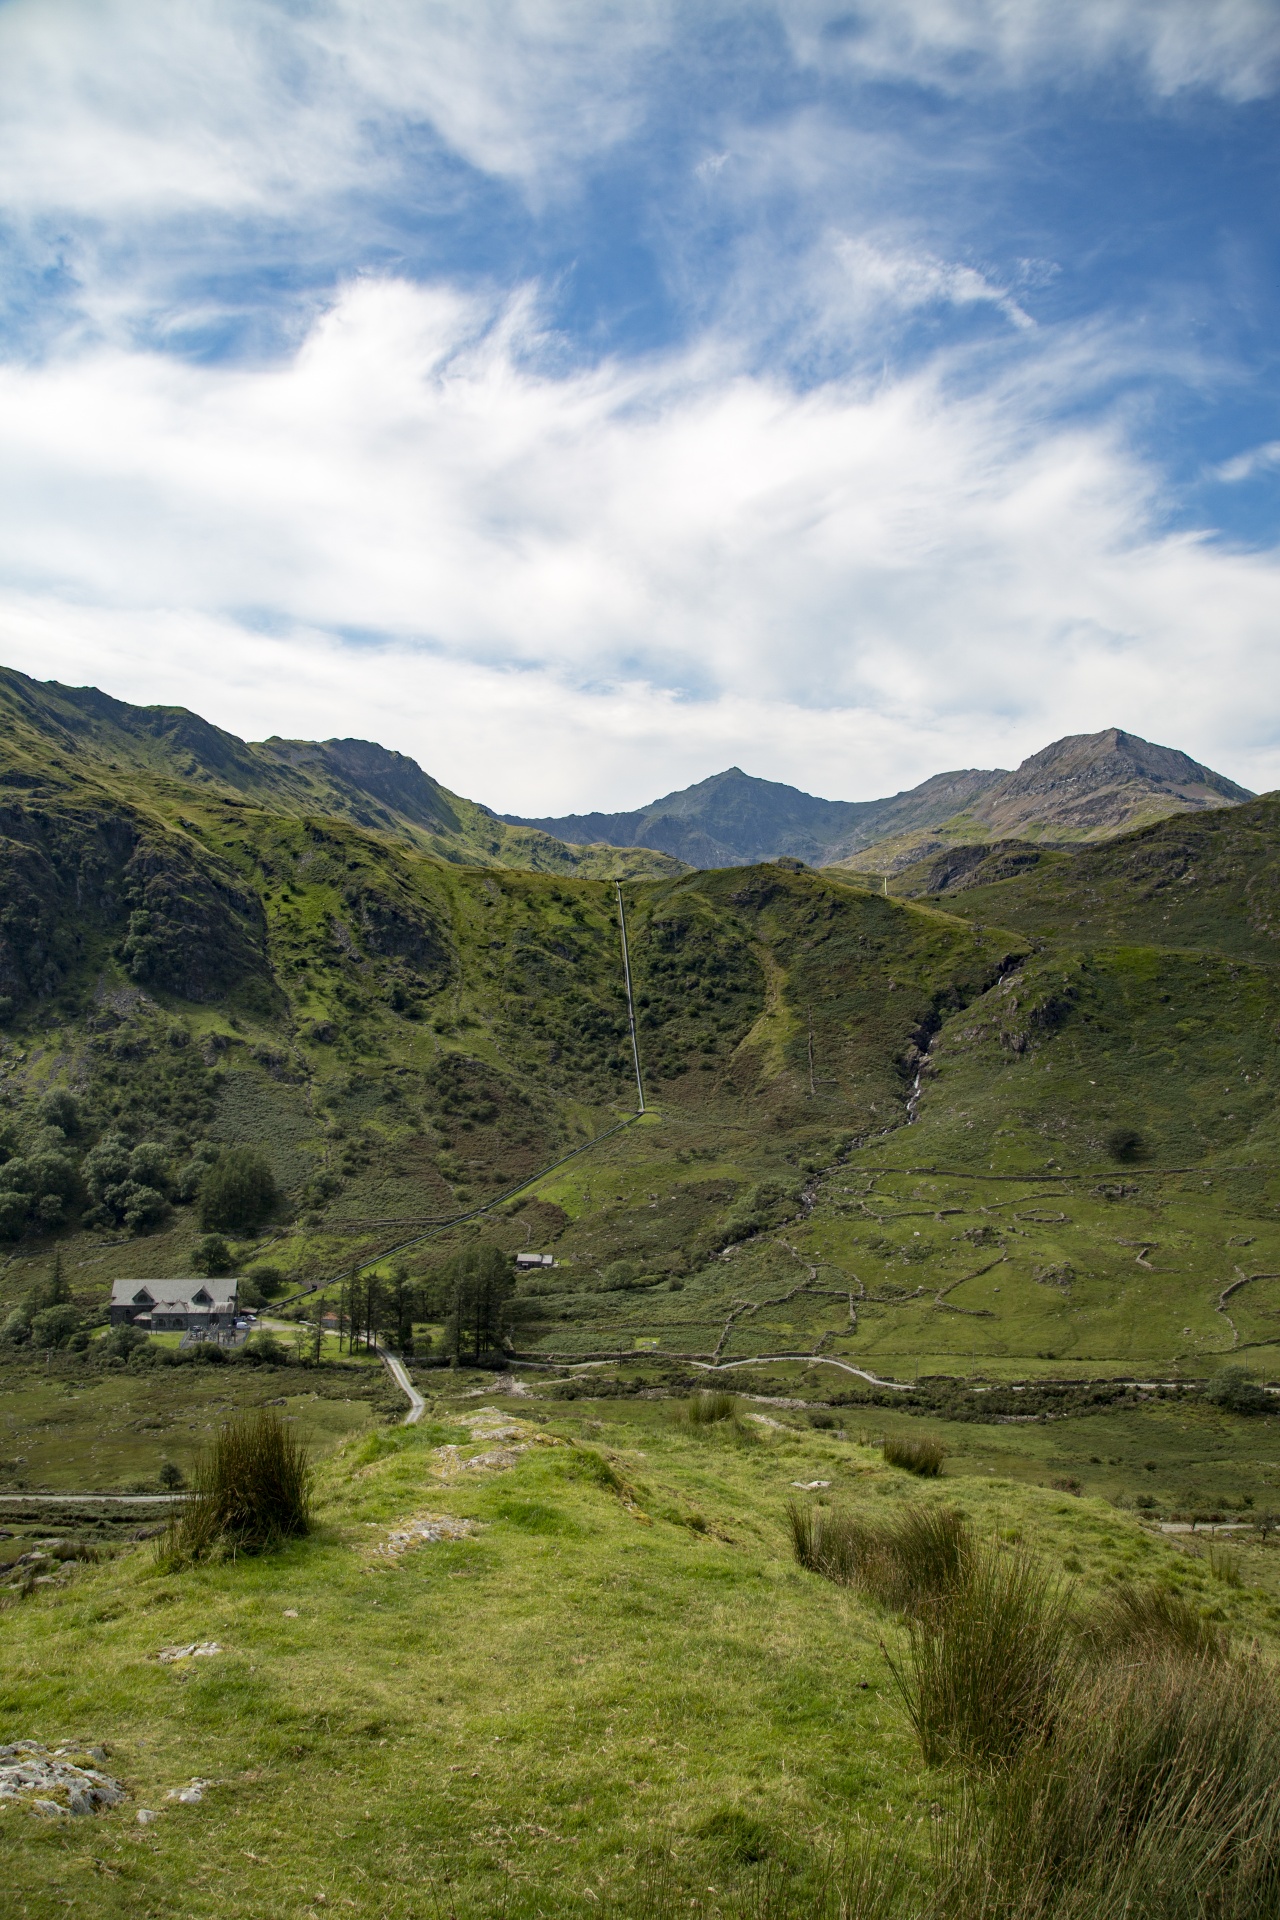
(526, 1260)
(174, 1306)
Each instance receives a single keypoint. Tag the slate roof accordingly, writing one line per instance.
(176, 1296)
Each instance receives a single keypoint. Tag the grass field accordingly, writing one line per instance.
(412, 1732)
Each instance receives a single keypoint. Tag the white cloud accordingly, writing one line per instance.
(1230, 47)
(263, 107)
(1244, 466)
(880, 274)
(254, 105)
(577, 590)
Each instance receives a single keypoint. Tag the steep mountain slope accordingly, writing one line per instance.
(1207, 882)
(733, 819)
(55, 736)
(1091, 785)
(1088, 786)
(204, 960)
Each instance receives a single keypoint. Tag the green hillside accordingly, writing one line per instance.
(993, 1167)
(607, 1687)
(1084, 1048)
(154, 759)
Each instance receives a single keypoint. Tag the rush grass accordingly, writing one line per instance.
(512, 1722)
(253, 1491)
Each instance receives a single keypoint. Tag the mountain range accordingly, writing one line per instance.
(316, 952)
(55, 735)
(1084, 787)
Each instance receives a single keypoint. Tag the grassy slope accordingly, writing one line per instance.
(429, 1719)
(406, 1039)
(153, 760)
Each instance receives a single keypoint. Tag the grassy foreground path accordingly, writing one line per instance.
(620, 1653)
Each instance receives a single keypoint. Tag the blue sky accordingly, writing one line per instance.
(585, 397)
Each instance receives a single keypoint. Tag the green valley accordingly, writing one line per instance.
(986, 1156)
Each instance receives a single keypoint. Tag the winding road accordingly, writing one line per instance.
(399, 1373)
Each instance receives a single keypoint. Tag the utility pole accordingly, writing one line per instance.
(631, 1011)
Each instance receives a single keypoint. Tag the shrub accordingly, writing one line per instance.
(1150, 1620)
(921, 1454)
(60, 1109)
(123, 1341)
(704, 1409)
(986, 1659)
(1124, 1143)
(908, 1562)
(17, 1328)
(252, 1491)
(1232, 1389)
(1153, 1798)
(620, 1276)
(129, 1184)
(266, 1348)
(211, 1255)
(237, 1192)
(268, 1280)
(54, 1326)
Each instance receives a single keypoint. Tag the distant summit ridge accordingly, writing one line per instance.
(1086, 786)
(1092, 781)
(734, 819)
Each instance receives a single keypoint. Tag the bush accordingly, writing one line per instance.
(1232, 1389)
(986, 1660)
(54, 1326)
(1150, 1620)
(908, 1562)
(922, 1454)
(705, 1409)
(252, 1491)
(128, 1184)
(1124, 1143)
(237, 1192)
(17, 1328)
(268, 1280)
(123, 1341)
(265, 1348)
(211, 1256)
(60, 1109)
(1153, 1798)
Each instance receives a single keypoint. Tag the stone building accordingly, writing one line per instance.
(175, 1306)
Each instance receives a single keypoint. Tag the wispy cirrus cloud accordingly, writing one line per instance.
(1230, 47)
(1244, 466)
(770, 381)
(413, 509)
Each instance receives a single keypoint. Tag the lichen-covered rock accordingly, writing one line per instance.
(54, 1782)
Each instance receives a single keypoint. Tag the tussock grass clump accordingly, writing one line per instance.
(706, 1409)
(986, 1659)
(1151, 1621)
(252, 1491)
(922, 1454)
(907, 1562)
(1153, 1795)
